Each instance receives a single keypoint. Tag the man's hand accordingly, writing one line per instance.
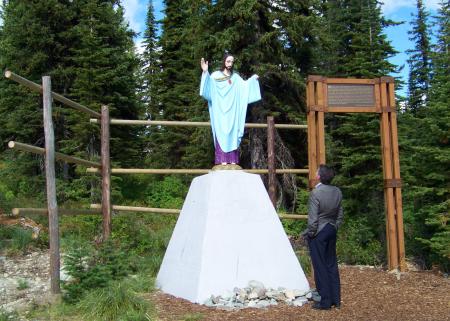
(204, 65)
(304, 239)
(304, 235)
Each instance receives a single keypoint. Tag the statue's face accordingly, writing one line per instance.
(229, 62)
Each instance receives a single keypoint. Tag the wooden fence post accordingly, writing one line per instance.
(106, 173)
(396, 174)
(51, 186)
(271, 159)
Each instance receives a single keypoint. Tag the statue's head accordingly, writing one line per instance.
(228, 62)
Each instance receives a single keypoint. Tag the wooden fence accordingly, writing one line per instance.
(104, 168)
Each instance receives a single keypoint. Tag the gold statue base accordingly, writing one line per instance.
(226, 167)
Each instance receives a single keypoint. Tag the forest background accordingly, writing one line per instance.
(87, 48)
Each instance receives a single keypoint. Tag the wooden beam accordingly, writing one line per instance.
(189, 123)
(44, 211)
(311, 99)
(139, 209)
(396, 175)
(271, 160)
(322, 100)
(352, 109)
(122, 208)
(33, 86)
(293, 216)
(52, 205)
(321, 138)
(351, 81)
(58, 156)
(106, 173)
(96, 209)
(377, 98)
(391, 226)
(192, 171)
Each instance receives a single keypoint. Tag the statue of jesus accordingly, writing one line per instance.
(228, 96)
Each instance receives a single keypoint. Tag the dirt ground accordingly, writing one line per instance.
(367, 294)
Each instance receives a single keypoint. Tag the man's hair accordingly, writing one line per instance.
(225, 56)
(326, 174)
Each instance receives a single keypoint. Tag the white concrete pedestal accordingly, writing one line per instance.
(228, 234)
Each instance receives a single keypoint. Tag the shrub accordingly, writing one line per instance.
(22, 284)
(144, 237)
(168, 193)
(15, 240)
(91, 268)
(78, 228)
(357, 244)
(118, 301)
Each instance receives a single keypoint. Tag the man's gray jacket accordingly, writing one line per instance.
(324, 207)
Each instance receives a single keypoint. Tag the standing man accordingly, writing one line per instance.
(228, 96)
(325, 215)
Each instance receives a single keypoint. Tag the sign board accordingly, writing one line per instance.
(350, 95)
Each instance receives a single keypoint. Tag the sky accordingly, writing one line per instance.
(397, 10)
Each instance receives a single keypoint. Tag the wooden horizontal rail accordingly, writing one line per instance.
(33, 86)
(96, 210)
(59, 156)
(189, 123)
(278, 171)
(139, 209)
(192, 171)
(293, 216)
(64, 211)
(177, 211)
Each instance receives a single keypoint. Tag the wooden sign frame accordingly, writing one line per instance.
(376, 96)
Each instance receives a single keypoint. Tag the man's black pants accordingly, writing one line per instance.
(326, 274)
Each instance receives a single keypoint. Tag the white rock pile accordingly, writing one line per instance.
(255, 295)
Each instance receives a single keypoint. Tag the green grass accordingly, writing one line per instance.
(55, 312)
(192, 317)
(304, 259)
(118, 301)
(8, 316)
(22, 284)
(15, 240)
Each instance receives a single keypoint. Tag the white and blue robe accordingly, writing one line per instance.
(228, 98)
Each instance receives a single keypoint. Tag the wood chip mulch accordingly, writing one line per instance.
(367, 294)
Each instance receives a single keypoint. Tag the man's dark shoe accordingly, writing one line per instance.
(317, 306)
(337, 306)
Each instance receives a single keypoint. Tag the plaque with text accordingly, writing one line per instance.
(351, 95)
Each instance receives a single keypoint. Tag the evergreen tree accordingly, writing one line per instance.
(150, 64)
(428, 196)
(357, 48)
(87, 49)
(105, 68)
(419, 60)
(33, 42)
(439, 105)
(177, 91)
